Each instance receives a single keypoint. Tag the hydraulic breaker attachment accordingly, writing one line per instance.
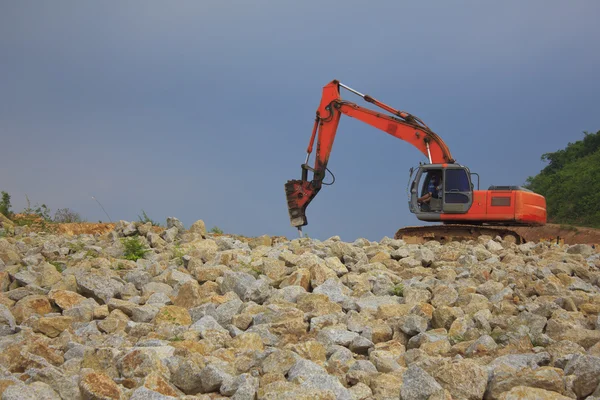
(299, 193)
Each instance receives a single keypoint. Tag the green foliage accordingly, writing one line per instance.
(41, 211)
(178, 254)
(456, 339)
(144, 218)
(216, 229)
(5, 205)
(398, 290)
(66, 216)
(59, 267)
(571, 183)
(134, 249)
(91, 254)
(76, 247)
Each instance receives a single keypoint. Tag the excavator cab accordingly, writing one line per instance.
(440, 189)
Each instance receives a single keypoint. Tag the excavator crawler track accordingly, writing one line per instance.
(448, 233)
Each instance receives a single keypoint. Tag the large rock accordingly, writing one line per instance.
(504, 378)
(34, 391)
(418, 385)
(99, 284)
(586, 370)
(198, 227)
(31, 305)
(54, 326)
(97, 386)
(528, 393)
(464, 379)
(173, 315)
(7, 321)
(246, 286)
(312, 376)
(65, 299)
(9, 253)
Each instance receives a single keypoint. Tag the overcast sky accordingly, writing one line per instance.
(203, 109)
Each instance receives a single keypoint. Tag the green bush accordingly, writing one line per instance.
(144, 218)
(134, 249)
(41, 211)
(398, 290)
(5, 205)
(216, 229)
(66, 216)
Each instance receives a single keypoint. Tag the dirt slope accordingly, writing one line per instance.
(566, 234)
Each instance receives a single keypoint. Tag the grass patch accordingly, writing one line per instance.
(59, 267)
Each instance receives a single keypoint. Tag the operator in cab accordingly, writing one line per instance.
(434, 190)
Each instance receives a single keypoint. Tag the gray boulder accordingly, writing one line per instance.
(418, 384)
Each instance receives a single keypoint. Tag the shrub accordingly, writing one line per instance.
(216, 229)
(5, 205)
(398, 290)
(145, 219)
(178, 254)
(59, 266)
(134, 249)
(41, 211)
(66, 216)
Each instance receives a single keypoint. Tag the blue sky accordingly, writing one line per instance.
(203, 109)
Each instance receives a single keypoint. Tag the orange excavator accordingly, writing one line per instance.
(441, 191)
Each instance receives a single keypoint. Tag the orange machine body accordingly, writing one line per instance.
(502, 207)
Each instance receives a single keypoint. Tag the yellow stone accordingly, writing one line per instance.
(247, 341)
(173, 315)
(54, 326)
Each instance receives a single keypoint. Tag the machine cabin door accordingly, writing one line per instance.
(420, 186)
(458, 191)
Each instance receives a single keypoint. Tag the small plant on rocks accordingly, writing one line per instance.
(76, 247)
(144, 218)
(59, 267)
(216, 229)
(398, 290)
(5, 204)
(178, 254)
(134, 249)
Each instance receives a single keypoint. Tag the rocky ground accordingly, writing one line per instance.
(209, 317)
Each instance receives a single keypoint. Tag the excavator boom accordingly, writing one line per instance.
(400, 124)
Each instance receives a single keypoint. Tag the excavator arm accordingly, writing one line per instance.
(399, 124)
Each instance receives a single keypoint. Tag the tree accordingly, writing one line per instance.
(5, 205)
(571, 184)
(66, 215)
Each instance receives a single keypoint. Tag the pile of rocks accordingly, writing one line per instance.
(205, 316)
